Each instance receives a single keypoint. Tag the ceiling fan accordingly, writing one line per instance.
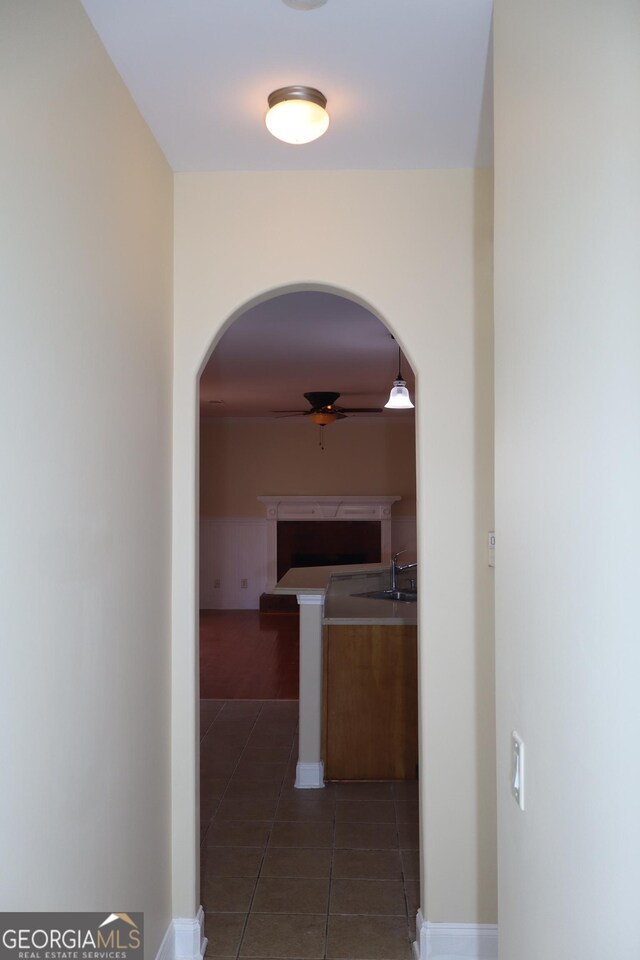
(323, 409)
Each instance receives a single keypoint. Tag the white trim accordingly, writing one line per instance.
(309, 776)
(167, 947)
(420, 943)
(455, 941)
(286, 507)
(189, 941)
(254, 521)
(310, 599)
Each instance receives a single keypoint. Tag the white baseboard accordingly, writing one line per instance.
(167, 947)
(184, 939)
(310, 776)
(455, 941)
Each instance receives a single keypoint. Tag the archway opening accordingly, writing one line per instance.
(259, 439)
(260, 435)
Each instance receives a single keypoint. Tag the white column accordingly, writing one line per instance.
(385, 535)
(272, 548)
(310, 768)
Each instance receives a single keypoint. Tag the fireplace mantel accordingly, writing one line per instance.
(320, 508)
(328, 508)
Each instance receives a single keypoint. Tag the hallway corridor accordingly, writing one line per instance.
(289, 873)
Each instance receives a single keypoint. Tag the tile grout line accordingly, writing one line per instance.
(242, 752)
(284, 786)
(266, 845)
(255, 886)
(221, 798)
(211, 722)
(333, 853)
(404, 879)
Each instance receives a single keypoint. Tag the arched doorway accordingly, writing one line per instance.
(415, 245)
(265, 361)
(259, 435)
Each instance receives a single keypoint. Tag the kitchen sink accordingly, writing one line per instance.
(403, 596)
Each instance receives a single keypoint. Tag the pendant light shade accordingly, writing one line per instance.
(297, 114)
(399, 398)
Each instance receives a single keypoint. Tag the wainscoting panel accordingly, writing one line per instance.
(233, 549)
(403, 537)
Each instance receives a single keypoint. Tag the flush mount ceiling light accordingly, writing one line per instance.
(297, 114)
(304, 4)
(399, 398)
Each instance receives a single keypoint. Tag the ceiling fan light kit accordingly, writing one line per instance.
(323, 409)
(297, 114)
(324, 417)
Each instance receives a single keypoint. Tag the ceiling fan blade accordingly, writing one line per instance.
(324, 402)
(361, 409)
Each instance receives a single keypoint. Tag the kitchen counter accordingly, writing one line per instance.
(341, 607)
(337, 584)
(307, 580)
(326, 604)
(370, 689)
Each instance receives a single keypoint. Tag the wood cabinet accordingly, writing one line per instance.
(370, 715)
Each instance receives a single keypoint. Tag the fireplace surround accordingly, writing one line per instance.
(291, 521)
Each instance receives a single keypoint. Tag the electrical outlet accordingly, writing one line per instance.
(216, 583)
(244, 584)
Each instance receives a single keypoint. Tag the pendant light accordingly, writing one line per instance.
(399, 398)
(297, 114)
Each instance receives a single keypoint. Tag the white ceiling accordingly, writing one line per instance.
(408, 82)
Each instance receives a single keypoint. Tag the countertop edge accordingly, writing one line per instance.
(315, 581)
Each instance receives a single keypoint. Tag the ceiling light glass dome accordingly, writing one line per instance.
(297, 114)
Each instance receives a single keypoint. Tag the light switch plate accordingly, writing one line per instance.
(491, 549)
(517, 768)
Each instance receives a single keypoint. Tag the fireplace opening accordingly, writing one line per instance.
(313, 543)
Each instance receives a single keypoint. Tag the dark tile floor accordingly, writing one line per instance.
(289, 873)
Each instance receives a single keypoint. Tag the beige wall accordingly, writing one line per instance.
(416, 248)
(85, 309)
(241, 460)
(568, 474)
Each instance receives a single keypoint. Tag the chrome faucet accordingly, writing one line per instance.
(397, 568)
